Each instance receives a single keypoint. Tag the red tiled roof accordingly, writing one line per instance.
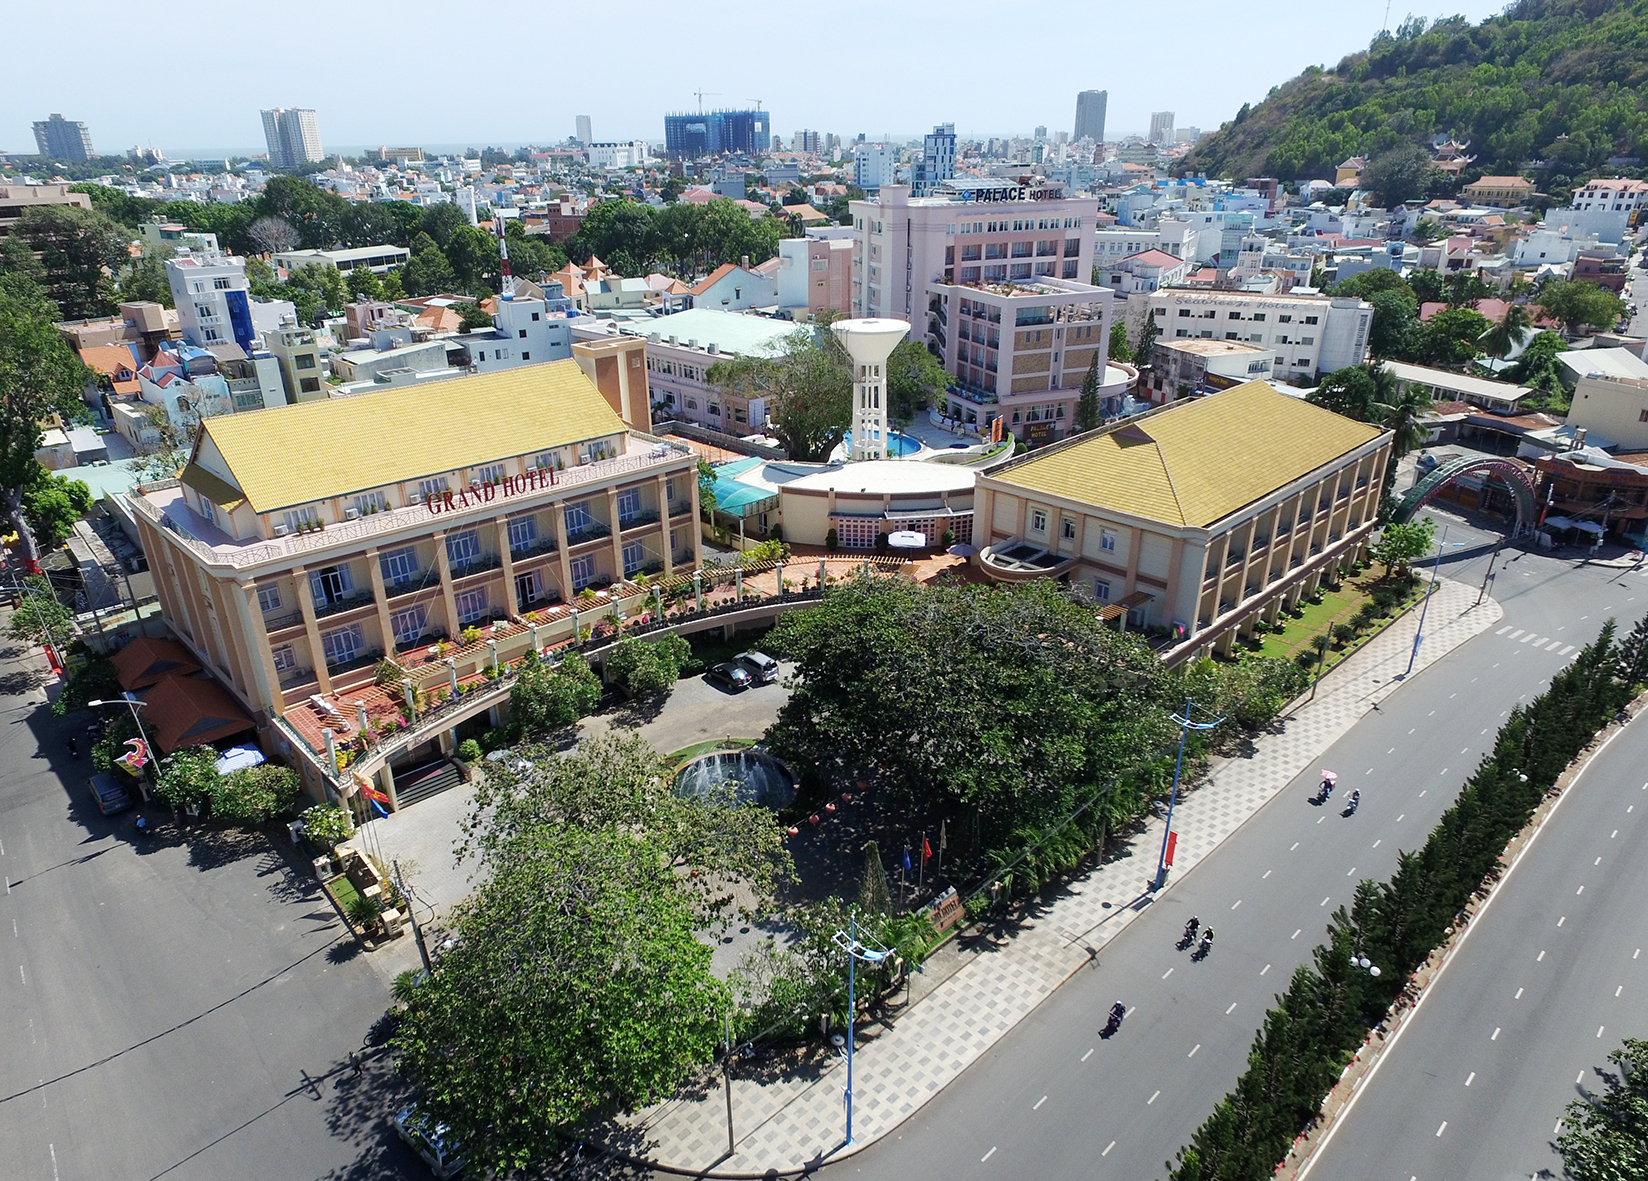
(145, 661)
(1155, 258)
(714, 277)
(191, 711)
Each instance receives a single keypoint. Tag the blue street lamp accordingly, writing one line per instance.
(1436, 571)
(848, 942)
(1185, 727)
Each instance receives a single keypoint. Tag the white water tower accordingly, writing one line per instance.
(869, 342)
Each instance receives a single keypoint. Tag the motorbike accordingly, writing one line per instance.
(1189, 933)
(1326, 790)
(1351, 804)
(1117, 1012)
(1206, 945)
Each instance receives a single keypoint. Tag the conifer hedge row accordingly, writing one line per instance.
(1326, 1014)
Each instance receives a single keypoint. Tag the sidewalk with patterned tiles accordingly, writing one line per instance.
(788, 1124)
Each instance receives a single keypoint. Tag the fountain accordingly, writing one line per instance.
(754, 777)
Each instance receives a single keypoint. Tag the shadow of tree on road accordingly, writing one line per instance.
(20, 681)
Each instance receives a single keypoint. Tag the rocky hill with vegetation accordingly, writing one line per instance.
(1554, 89)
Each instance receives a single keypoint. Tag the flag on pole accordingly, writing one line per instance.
(373, 794)
(942, 842)
(906, 859)
(926, 850)
(377, 807)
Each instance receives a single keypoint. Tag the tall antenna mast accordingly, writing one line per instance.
(506, 280)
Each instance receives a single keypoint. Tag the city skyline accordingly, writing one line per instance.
(874, 96)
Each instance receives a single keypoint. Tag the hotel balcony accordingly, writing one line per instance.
(164, 506)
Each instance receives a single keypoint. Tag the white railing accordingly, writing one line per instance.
(180, 519)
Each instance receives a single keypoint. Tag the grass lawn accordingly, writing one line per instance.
(1336, 607)
(704, 748)
(344, 891)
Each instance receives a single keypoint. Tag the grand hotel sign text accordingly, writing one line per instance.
(448, 501)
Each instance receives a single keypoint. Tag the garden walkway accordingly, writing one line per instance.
(787, 1123)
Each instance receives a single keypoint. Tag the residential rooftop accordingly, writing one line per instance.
(1193, 463)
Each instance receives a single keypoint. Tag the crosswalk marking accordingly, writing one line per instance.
(1567, 651)
(1553, 645)
(1526, 638)
(1503, 630)
(1516, 633)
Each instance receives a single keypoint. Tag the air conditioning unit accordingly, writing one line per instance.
(351, 513)
(282, 529)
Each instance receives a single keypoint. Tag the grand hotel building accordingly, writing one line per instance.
(303, 543)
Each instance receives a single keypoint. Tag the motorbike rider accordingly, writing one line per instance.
(1207, 937)
(1355, 798)
(1117, 1012)
(1190, 927)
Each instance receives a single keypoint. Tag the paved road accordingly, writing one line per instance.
(1052, 1100)
(169, 1010)
(1553, 975)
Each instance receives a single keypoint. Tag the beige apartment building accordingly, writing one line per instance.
(304, 543)
(1196, 519)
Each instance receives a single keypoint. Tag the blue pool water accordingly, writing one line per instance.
(899, 445)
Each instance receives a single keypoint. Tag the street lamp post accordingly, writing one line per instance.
(1436, 573)
(848, 942)
(133, 704)
(1185, 727)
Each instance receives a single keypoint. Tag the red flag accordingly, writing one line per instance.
(373, 793)
(926, 850)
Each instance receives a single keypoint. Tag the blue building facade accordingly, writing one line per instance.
(710, 133)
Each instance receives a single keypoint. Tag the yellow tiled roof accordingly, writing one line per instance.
(297, 454)
(1196, 462)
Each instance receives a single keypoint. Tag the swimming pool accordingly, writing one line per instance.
(899, 445)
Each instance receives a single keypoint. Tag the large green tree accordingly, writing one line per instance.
(1088, 414)
(808, 384)
(1450, 339)
(1579, 305)
(1399, 407)
(1605, 1135)
(578, 981)
(546, 698)
(80, 251)
(914, 378)
(39, 377)
(1349, 391)
(1395, 321)
(1509, 331)
(52, 504)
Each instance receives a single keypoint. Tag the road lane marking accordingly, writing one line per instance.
(1539, 957)
(1192, 1053)
(1598, 861)
(1268, 872)
(1107, 1148)
(1167, 973)
(987, 1156)
(1444, 771)
(1391, 751)
(1411, 731)
(1350, 871)
(1039, 1102)
(1295, 846)
(1295, 935)
(53, 1149)
(1470, 1078)
(1518, 995)
(1599, 1030)
(1503, 630)
(1566, 650)
(1377, 843)
(1562, 920)
(1464, 750)
(1235, 904)
(1325, 900)
(1579, 891)
(1495, 1036)
(1580, 1079)
(21, 973)
(1265, 969)
(1369, 771)
(1516, 633)
(1152, 1099)
(1619, 990)
(1320, 819)
(1422, 794)
(1443, 1128)
(1613, 834)
(1639, 952)
(1087, 1055)
(1232, 1008)
(1557, 1131)
(1400, 818)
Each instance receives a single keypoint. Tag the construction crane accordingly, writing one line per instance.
(700, 95)
(756, 101)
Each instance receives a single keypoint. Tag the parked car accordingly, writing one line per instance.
(731, 677)
(111, 795)
(763, 669)
(430, 1140)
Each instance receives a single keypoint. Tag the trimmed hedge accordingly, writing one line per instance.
(1326, 1013)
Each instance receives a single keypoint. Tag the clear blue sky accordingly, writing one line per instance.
(419, 72)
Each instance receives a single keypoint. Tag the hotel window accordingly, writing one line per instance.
(577, 517)
(529, 587)
(331, 584)
(220, 284)
(634, 556)
(304, 361)
(371, 502)
(472, 605)
(463, 548)
(1107, 540)
(629, 505)
(669, 491)
(1067, 529)
(1101, 590)
(523, 531)
(583, 573)
(432, 487)
(1038, 521)
(297, 518)
(342, 645)
(399, 565)
(269, 598)
(284, 658)
(407, 625)
(492, 473)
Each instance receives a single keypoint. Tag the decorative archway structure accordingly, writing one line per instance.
(1508, 473)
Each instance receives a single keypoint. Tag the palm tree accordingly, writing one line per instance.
(1400, 413)
(1508, 333)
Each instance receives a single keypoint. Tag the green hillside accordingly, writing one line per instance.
(1563, 81)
